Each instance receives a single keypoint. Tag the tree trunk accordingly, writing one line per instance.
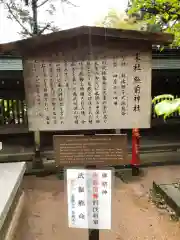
(35, 21)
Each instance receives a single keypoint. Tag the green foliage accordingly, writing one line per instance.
(167, 106)
(164, 13)
(115, 19)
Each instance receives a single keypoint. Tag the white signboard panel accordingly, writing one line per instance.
(89, 198)
(103, 92)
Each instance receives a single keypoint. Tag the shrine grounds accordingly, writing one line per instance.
(134, 215)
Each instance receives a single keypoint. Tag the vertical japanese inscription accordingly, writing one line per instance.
(104, 90)
(81, 200)
(74, 93)
(120, 84)
(104, 184)
(37, 88)
(38, 97)
(115, 81)
(65, 71)
(97, 91)
(123, 61)
(45, 92)
(89, 91)
(137, 83)
(37, 100)
(95, 198)
(123, 86)
(52, 82)
(73, 203)
(124, 95)
(82, 94)
(64, 86)
(60, 91)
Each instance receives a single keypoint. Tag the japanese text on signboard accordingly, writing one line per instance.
(89, 198)
(102, 92)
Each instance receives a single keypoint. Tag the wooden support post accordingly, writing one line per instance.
(118, 131)
(93, 234)
(37, 161)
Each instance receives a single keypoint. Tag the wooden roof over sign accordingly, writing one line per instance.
(108, 33)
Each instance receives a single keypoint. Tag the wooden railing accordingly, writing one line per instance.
(13, 112)
(13, 116)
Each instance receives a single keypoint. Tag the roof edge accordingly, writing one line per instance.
(36, 41)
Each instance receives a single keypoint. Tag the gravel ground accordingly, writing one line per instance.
(134, 216)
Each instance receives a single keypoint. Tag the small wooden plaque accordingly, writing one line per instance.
(99, 150)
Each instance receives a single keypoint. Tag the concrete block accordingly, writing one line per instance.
(11, 175)
(170, 194)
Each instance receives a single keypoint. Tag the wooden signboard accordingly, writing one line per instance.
(88, 78)
(79, 90)
(99, 150)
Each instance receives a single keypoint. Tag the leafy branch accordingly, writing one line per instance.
(25, 13)
(165, 13)
(12, 14)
